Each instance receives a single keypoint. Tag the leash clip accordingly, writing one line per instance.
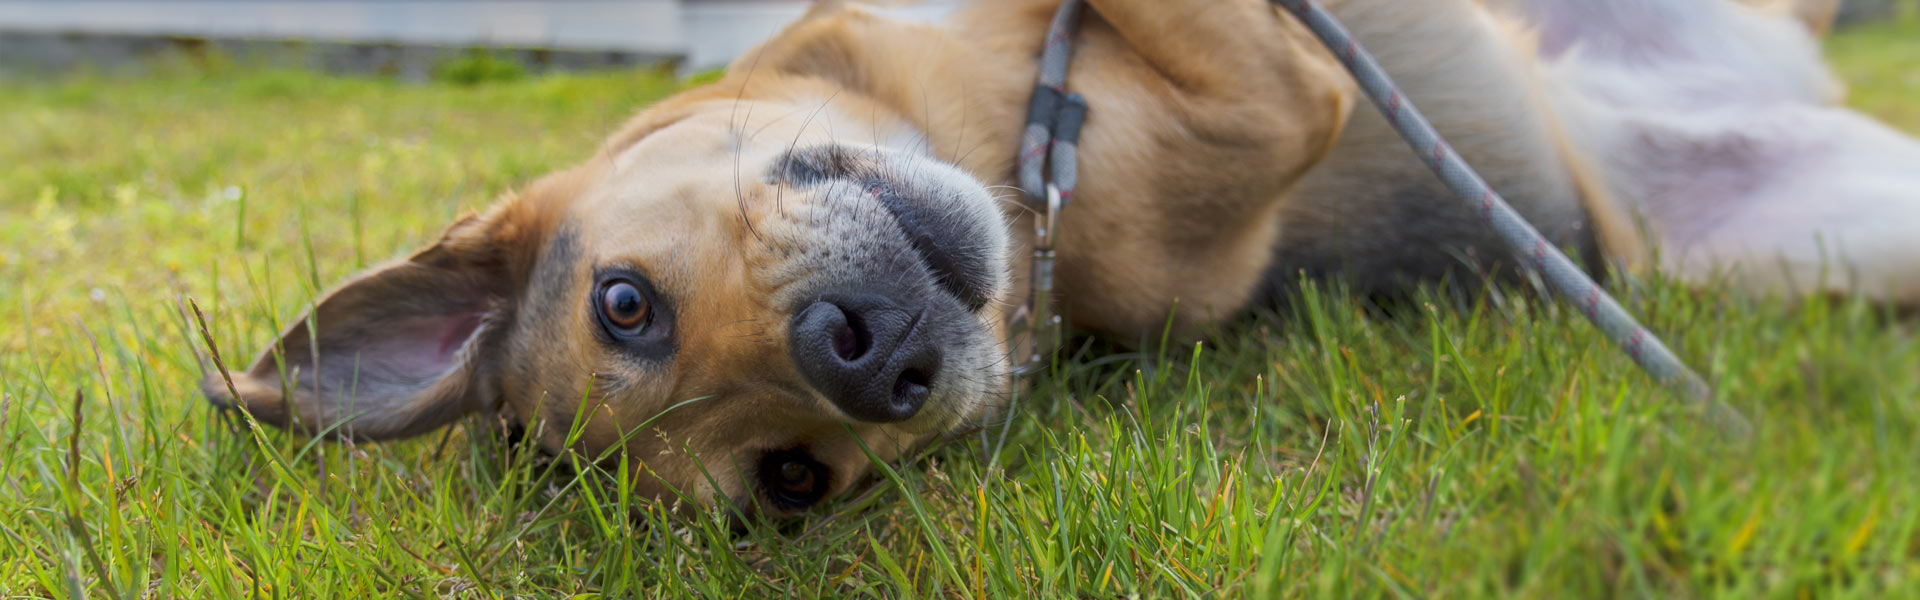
(1047, 169)
(1044, 323)
(1043, 227)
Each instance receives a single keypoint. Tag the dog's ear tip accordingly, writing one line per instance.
(230, 393)
(243, 394)
(214, 387)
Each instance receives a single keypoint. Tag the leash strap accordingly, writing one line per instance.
(1048, 170)
(1566, 279)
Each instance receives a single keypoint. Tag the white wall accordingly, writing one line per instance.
(718, 31)
(644, 26)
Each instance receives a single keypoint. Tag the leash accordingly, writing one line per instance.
(1050, 144)
(1567, 280)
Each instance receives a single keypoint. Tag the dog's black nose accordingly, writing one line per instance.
(867, 353)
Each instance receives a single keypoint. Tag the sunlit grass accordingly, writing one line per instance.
(1877, 60)
(1500, 448)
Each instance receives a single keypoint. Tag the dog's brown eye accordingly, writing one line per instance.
(625, 307)
(634, 318)
(793, 479)
(796, 478)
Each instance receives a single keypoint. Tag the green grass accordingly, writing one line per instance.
(1495, 449)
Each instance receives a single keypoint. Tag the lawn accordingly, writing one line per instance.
(1499, 448)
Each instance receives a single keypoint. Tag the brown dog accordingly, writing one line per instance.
(755, 277)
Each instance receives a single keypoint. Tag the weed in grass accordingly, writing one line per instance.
(479, 66)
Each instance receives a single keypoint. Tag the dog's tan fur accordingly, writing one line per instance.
(1223, 154)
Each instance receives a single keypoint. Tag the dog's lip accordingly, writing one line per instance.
(964, 280)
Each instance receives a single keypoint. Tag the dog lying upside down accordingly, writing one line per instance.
(753, 272)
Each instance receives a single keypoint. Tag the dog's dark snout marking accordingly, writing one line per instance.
(944, 245)
(814, 165)
(869, 354)
(948, 243)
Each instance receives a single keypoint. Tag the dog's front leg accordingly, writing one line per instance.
(1209, 47)
(1202, 116)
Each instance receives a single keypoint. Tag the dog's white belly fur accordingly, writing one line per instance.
(1719, 127)
(1790, 198)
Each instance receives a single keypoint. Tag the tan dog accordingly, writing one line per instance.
(753, 278)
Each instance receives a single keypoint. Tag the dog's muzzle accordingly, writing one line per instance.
(893, 322)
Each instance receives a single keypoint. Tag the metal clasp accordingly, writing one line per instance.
(1044, 323)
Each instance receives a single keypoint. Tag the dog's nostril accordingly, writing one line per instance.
(868, 354)
(911, 388)
(911, 385)
(850, 341)
(916, 377)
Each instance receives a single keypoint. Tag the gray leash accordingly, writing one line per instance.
(1566, 279)
(1050, 144)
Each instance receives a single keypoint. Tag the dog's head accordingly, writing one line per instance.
(738, 293)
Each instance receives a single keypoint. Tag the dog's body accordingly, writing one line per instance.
(753, 269)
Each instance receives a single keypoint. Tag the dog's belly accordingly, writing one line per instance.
(1373, 216)
(1774, 190)
(1727, 138)
(1787, 199)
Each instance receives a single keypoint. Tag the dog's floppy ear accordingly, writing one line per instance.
(398, 350)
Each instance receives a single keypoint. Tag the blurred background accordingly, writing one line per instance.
(403, 38)
(409, 39)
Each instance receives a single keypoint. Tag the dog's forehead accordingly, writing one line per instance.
(693, 142)
(729, 138)
(662, 199)
(669, 242)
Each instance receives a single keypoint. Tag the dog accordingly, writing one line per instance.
(756, 283)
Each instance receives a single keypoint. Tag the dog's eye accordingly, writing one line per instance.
(796, 478)
(792, 479)
(625, 308)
